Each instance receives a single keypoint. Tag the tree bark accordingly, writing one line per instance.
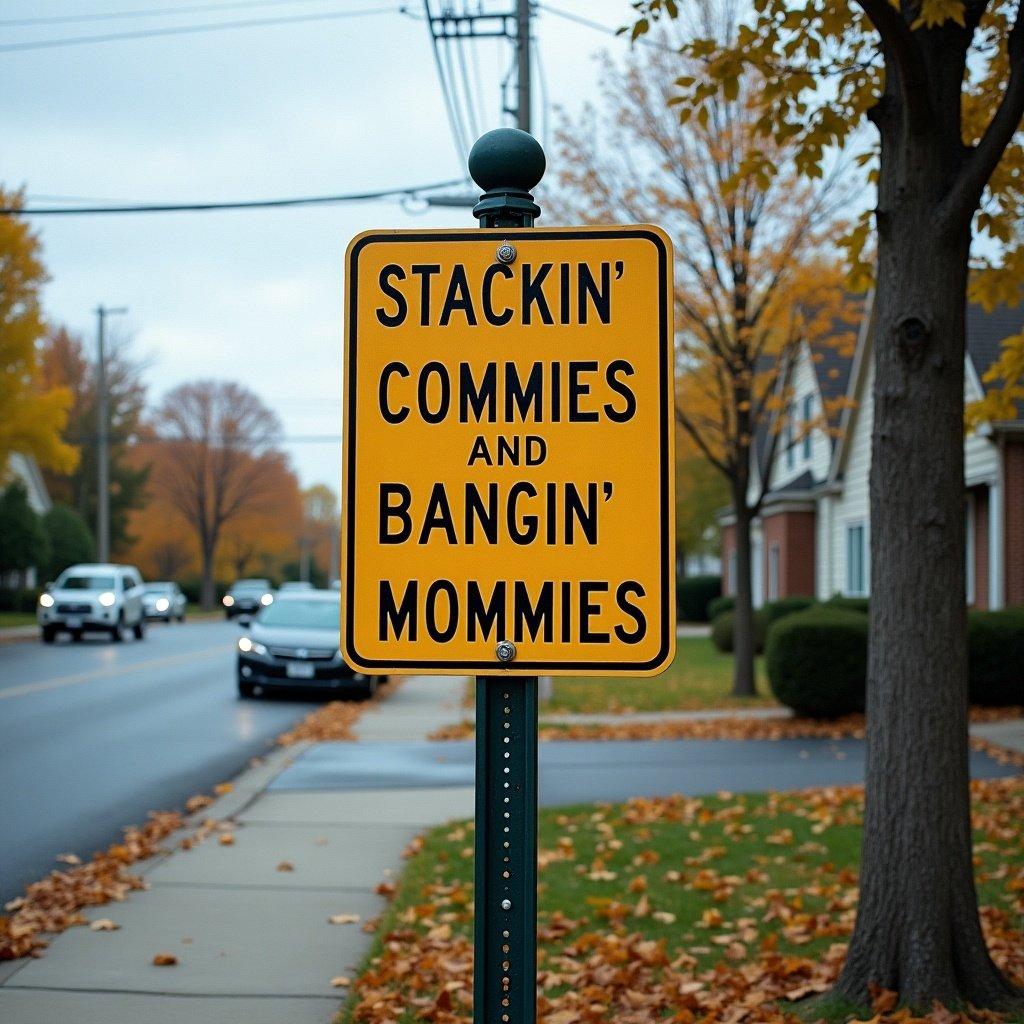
(208, 593)
(743, 682)
(917, 930)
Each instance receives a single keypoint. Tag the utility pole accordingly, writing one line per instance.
(523, 14)
(103, 436)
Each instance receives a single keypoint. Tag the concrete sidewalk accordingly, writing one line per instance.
(252, 938)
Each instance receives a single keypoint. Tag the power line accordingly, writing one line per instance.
(598, 26)
(177, 30)
(145, 12)
(252, 204)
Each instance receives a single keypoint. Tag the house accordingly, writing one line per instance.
(812, 534)
(25, 469)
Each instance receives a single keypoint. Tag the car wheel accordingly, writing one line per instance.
(181, 617)
(139, 629)
(245, 690)
(48, 635)
(367, 688)
(76, 636)
(117, 631)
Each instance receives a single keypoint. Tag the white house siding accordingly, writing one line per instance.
(824, 586)
(24, 469)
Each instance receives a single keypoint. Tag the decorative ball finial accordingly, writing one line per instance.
(507, 158)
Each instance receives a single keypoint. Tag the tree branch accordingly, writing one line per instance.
(965, 195)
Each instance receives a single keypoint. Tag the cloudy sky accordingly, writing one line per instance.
(291, 109)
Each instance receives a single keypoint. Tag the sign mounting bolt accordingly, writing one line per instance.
(506, 904)
(506, 253)
(505, 651)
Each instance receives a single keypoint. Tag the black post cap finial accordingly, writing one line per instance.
(507, 164)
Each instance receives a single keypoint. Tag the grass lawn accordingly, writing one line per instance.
(17, 619)
(662, 907)
(700, 677)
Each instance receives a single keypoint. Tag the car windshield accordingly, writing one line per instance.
(302, 613)
(260, 585)
(86, 583)
(158, 588)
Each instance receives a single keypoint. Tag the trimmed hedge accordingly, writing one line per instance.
(817, 661)
(775, 610)
(722, 629)
(693, 594)
(848, 604)
(717, 605)
(995, 653)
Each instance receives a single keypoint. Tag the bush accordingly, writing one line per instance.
(19, 599)
(70, 540)
(722, 629)
(775, 610)
(693, 594)
(995, 657)
(848, 604)
(717, 605)
(817, 661)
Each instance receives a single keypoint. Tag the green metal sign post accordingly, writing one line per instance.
(507, 164)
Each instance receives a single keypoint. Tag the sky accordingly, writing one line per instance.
(304, 108)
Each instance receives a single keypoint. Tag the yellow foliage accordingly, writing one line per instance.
(31, 419)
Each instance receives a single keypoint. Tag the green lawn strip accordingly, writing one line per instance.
(17, 619)
(699, 677)
(717, 870)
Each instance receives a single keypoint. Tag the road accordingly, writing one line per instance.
(94, 735)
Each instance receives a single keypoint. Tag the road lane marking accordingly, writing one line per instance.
(107, 673)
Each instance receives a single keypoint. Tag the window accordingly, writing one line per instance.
(808, 415)
(856, 561)
(773, 572)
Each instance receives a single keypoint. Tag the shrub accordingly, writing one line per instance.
(693, 594)
(848, 604)
(775, 610)
(722, 629)
(817, 661)
(717, 605)
(995, 653)
(70, 540)
(19, 599)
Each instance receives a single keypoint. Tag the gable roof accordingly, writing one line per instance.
(985, 334)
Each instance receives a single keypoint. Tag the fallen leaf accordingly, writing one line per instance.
(341, 981)
(227, 839)
(286, 865)
(223, 787)
(68, 858)
(344, 919)
(104, 924)
(165, 960)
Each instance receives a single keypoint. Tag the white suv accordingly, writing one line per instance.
(99, 598)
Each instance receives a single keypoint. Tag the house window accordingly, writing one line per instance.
(787, 437)
(856, 560)
(808, 415)
(773, 572)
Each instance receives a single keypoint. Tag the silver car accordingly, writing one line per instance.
(93, 598)
(164, 600)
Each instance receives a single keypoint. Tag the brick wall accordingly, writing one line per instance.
(1013, 520)
(794, 533)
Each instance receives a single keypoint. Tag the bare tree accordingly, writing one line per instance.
(216, 461)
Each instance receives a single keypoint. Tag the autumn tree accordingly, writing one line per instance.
(218, 461)
(942, 81)
(751, 281)
(31, 417)
(65, 363)
(321, 526)
(701, 493)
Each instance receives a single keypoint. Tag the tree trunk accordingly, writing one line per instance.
(743, 683)
(208, 593)
(917, 930)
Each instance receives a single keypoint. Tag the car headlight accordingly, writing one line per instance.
(247, 646)
(163, 604)
(107, 599)
(46, 600)
(228, 600)
(267, 599)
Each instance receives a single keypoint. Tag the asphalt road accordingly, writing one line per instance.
(94, 735)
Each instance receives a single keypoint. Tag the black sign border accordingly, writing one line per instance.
(494, 667)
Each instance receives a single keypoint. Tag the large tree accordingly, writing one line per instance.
(753, 276)
(66, 363)
(942, 81)
(216, 461)
(31, 417)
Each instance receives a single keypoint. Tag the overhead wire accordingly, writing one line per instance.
(248, 204)
(461, 147)
(598, 26)
(145, 12)
(470, 101)
(210, 26)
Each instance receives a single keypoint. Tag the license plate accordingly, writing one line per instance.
(73, 623)
(300, 670)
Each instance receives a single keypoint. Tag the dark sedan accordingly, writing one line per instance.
(293, 644)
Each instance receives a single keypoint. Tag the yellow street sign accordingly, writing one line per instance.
(508, 452)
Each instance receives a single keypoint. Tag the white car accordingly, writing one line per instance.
(164, 600)
(93, 598)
